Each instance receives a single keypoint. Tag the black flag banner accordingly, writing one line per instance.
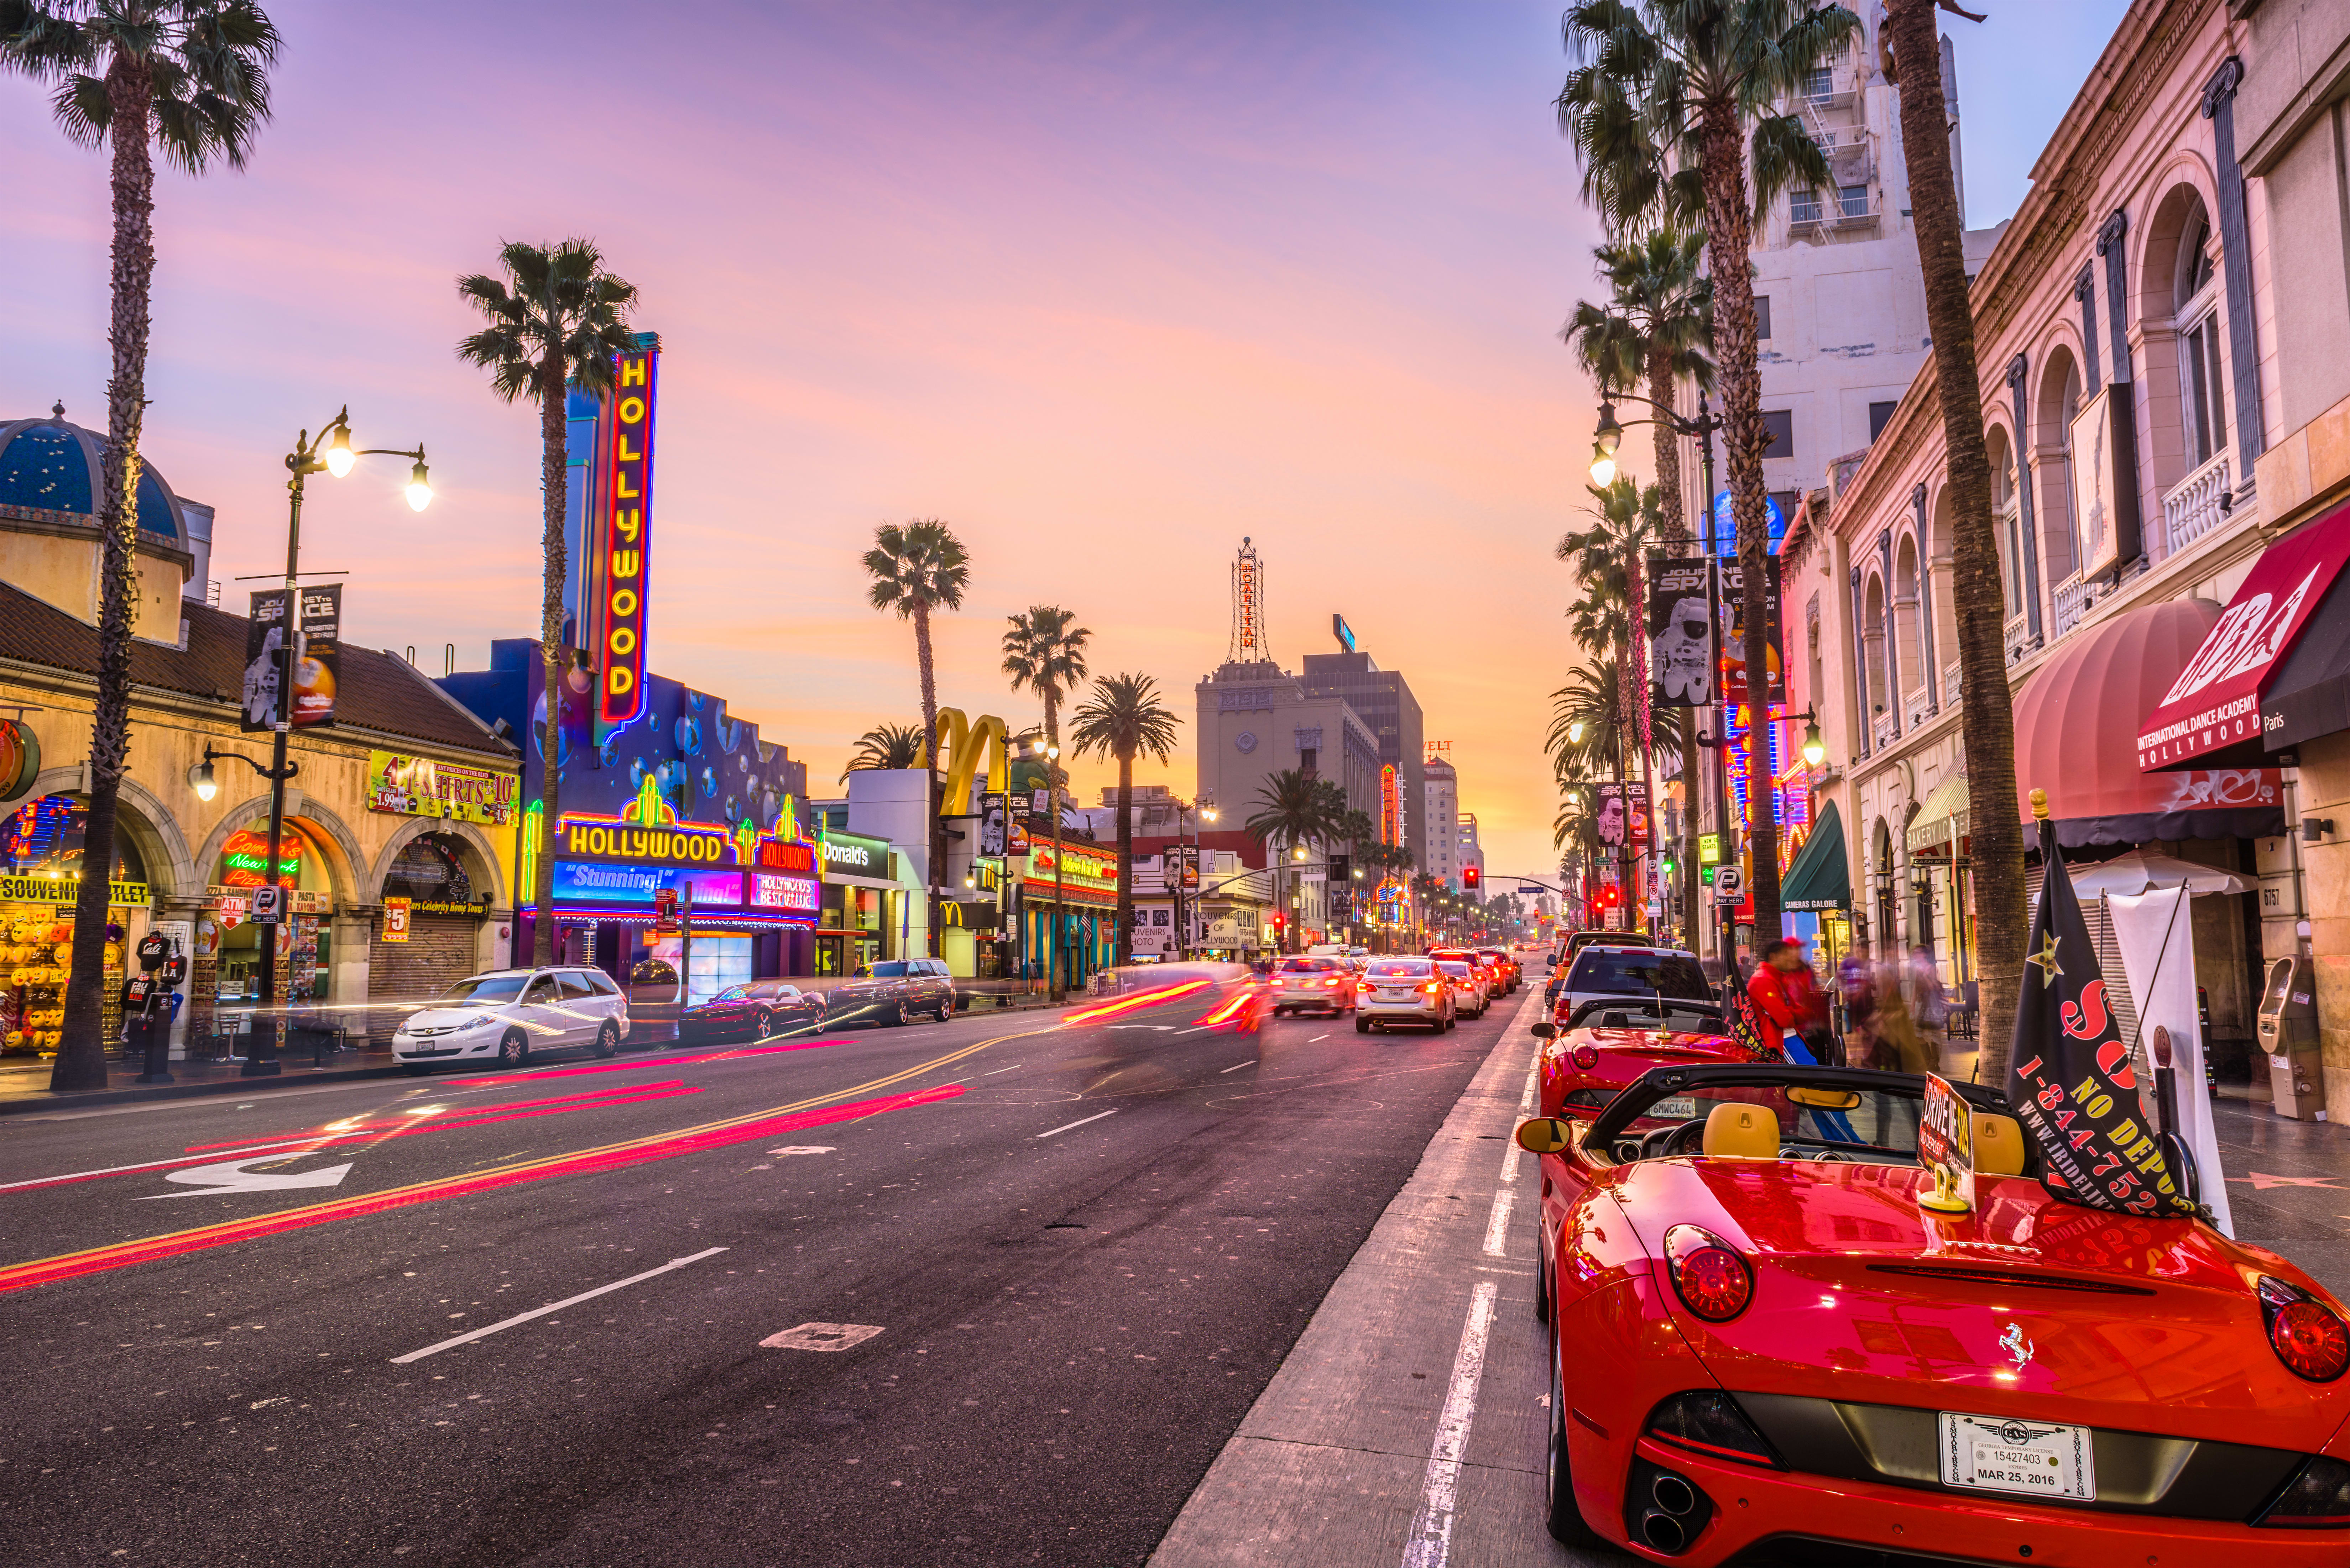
(2069, 1076)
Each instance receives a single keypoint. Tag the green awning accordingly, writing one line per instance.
(1942, 818)
(1819, 879)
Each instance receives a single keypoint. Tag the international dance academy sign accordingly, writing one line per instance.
(621, 565)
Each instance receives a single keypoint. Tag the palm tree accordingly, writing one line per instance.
(1295, 809)
(1656, 331)
(191, 77)
(1123, 717)
(1987, 719)
(919, 569)
(554, 319)
(1044, 653)
(1670, 105)
(885, 745)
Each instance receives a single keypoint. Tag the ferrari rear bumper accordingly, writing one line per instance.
(1760, 1517)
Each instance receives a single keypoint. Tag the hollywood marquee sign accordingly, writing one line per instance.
(622, 561)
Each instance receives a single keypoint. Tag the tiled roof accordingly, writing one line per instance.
(378, 691)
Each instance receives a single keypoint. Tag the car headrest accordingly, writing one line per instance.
(1743, 1132)
(1998, 1145)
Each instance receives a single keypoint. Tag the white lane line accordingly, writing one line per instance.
(1079, 1123)
(1317, 1038)
(288, 1145)
(1497, 1228)
(552, 1307)
(1509, 1163)
(1430, 1541)
(1013, 1068)
(1238, 1065)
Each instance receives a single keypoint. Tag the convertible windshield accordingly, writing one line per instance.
(486, 988)
(1820, 1114)
(1613, 972)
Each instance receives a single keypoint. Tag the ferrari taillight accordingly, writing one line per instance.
(2318, 1498)
(2307, 1337)
(1586, 1056)
(1708, 1421)
(1712, 1279)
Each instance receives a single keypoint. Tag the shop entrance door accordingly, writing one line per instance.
(831, 956)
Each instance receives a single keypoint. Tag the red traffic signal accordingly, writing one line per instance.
(1470, 876)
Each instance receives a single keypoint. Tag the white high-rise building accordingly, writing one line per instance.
(1441, 795)
(1465, 838)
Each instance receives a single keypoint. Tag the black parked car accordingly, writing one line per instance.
(753, 1012)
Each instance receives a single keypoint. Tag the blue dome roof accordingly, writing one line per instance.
(47, 465)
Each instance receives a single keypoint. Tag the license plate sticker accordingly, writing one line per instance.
(1678, 1108)
(2035, 1459)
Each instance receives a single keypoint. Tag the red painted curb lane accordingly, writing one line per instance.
(446, 1117)
(122, 1254)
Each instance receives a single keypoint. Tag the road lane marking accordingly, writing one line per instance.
(630, 1151)
(552, 1307)
(1082, 1120)
(821, 1337)
(1317, 1039)
(804, 1149)
(231, 1176)
(1238, 1065)
(1430, 1541)
(1013, 1068)
(1497, 1227)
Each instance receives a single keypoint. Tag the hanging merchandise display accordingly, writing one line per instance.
(40, 870)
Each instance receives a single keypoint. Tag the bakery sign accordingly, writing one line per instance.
(404, 786)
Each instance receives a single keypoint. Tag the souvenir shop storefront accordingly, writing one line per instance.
(1077, 909)
(41, 848)
(224, 969)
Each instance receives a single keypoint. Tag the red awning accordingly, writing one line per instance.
(2076, 725)
(2215, 702)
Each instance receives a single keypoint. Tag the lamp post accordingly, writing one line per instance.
(332, 453)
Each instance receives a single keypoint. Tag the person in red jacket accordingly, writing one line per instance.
(1787, 1004)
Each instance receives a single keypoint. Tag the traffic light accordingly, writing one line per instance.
(1470, 876)
(1338, 872)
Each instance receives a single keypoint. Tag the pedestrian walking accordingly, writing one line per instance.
(1791, 1014)
(1930, 1004)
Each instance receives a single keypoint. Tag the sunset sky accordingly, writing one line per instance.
(1105, 286)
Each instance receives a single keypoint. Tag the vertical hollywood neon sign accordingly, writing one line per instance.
(623, 565)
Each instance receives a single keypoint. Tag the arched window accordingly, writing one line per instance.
(2202, 373)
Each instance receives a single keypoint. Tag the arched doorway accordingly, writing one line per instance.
(41, 869)
(438, 881)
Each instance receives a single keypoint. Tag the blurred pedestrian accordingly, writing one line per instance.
(1930, 1004)
(1858, 988)
(1791, 1013)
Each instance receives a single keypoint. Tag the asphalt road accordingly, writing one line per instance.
(1036, 1340)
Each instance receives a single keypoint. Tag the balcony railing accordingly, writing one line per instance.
(1884, 728)
(1918, 706)
(2198, 504)
(2068, 602)
(2015, 636)
(1950, 684)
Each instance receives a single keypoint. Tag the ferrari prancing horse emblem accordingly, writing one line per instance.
(2017, 1345)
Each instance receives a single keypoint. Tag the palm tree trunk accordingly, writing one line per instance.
(1669, 452)
(1125, 933)
(925, 663)
(554, 485)
(130, 91)
(1987, 716)
(1728, 236)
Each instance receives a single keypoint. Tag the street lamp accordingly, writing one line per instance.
(1816, 750)
(332, 453)
(1609, 436)
(1574, 731)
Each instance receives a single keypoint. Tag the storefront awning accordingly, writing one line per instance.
(1943, 818)
(1820, 877)
(2077, 729)
(2283, 633)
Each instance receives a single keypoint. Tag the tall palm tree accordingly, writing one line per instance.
(1122, 719)
(1295, 809)
(1987, 719)
(1656, 331)
(885, 745)
(189, 77)
(556, 318)
(919, 569)
(1671, 107)
(1044, 652)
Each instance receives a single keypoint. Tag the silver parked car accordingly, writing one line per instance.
(509, 1015)
(891, 992)
(1405, 990)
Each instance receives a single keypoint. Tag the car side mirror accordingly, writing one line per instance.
(1546, 1031)
(1544, 1135)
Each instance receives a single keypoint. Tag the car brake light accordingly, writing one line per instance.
(1432, 987)
(1712, 1281)
(2304, 1333)
(1587, 1057)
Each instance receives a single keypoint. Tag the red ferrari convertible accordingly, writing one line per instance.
(1602, 1047)
(1762, 1350)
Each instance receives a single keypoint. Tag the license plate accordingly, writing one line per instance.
(1679, 1109)
(2036, 1458)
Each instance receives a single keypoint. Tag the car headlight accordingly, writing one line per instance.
(479, 1021)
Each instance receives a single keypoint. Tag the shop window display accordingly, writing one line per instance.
(41, 842)
(226, 971)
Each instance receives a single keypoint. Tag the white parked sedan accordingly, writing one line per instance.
(510, 1015)
(1405, 990)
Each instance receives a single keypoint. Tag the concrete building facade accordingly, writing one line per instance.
(1382, 699)
(1440, 794)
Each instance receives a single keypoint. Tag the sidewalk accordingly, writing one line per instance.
(1407, 1426)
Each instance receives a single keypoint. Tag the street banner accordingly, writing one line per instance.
(1946, 1147)
(994, 825)
(2156, 938)
(2069, 1077)
(316, 658)
(1733, 645)
(1682, 649)
(1623, 809)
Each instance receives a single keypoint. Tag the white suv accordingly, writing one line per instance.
(509, 1015)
